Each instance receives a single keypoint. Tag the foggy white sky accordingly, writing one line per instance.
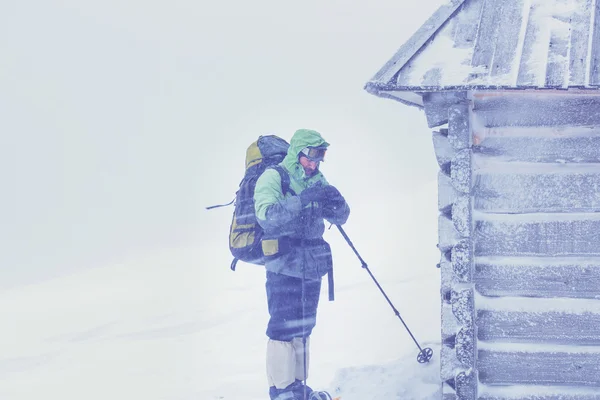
(122, 120)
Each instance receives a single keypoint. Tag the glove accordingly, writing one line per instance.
(334, 198)
(313, 193)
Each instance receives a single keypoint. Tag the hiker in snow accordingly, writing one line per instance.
(296, 256)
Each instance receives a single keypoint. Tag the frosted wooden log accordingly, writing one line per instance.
(461, 215)
(537, 110)
(555, 327)
(462, 260)
(463, 307)
(450, 325)
(508, 235)
(529, 187)
(542, 368)
(543, 277)
(459, 134)
(436, 106)
(449, 364)
(465, 347)
(466, 385)
(447, 234)
(530, 392)
(446, 192)
(460, 171)
(446, 275)
(554, 146)
(443, 151)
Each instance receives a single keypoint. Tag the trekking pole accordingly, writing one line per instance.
(304, 366)
(424, 354)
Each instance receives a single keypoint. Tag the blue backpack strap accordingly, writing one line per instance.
(285, 179)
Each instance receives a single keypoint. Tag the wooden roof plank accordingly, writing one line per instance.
(467, 24)
(498, 44)
(506, 49)
(558, 54)
(526, 75)
(483, 52)
(595, 48)
(578, 57)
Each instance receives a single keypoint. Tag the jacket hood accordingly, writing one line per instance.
(304, 138)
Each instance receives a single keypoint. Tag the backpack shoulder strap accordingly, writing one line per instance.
(285, 179)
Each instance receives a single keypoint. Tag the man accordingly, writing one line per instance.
(297, 257)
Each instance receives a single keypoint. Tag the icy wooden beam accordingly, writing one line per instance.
(571, 277)
(536, 234)
(552, 326)
(578, 366)
(542, 108)
(519, 187)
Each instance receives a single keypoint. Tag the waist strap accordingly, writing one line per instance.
(295, 242)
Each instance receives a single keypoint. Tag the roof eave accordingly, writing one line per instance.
(416, 42)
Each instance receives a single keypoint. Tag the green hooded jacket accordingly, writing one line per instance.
(293, 243)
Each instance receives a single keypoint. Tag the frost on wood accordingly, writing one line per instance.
(447, 275)
(516, 236)
(577, 367)
(449, 364)
(462, 260)
(549, 145)
(562, 277)
(446, 192)
(532, 189)
(465, 347)
(450, 325)
(459, 135)
(553, 326)
(460, 171)
(538, 111)
(461, 215)
(463, 306)
(466, 385)
(536, 243)
(447, 234)
(454, 229)
(443, 151)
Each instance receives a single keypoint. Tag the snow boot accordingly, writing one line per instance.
(294, 391)
(320, 395)
(298, 388)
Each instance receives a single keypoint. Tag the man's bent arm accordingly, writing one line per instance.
(273, 211)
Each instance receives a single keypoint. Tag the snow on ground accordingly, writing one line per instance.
(178, 324)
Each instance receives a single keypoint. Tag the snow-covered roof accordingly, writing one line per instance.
(497, 44)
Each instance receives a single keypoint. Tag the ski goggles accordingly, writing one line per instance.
(314, 153)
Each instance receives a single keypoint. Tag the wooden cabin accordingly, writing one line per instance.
(510, 89)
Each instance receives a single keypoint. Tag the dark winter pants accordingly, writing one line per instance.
(284, 296)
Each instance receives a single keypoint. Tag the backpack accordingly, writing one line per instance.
(245, 233)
